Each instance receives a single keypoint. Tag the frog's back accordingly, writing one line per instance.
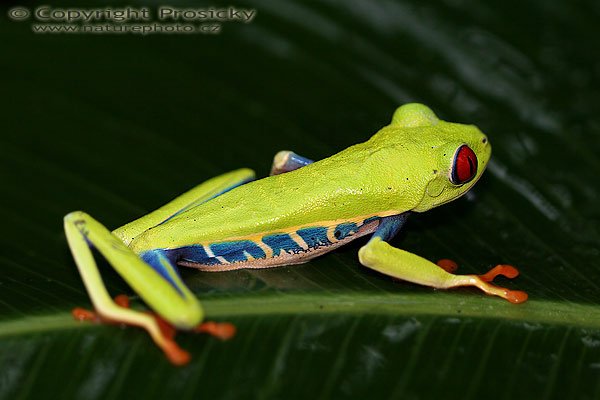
(327, 190)
(350, 186)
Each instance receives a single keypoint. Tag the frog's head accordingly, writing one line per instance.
(451, 157)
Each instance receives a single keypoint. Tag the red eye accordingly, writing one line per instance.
(464, 167)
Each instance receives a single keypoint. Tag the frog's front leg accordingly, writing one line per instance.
(380, 256)
(286, 161)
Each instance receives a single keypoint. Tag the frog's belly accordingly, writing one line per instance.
(272, 250)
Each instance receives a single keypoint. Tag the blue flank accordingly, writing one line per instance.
(194, 253)
(238, 250)
(344, 230)
(282, 241)
(314, 237)
(158, 260)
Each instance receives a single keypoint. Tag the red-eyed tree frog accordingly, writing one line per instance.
(302, 210)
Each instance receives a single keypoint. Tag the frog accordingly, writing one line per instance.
(302, 210)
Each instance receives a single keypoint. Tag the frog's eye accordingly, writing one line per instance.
(464, 166)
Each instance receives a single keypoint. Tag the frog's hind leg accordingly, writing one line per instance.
(200, 194)
(286, 161)
(156, 281)
(380, 256)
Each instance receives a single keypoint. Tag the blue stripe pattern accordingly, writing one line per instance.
(236, 251)
(194, 253)
(314, 237)
(280, 243)
(344, 230)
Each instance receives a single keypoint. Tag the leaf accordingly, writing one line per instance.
(118, 124)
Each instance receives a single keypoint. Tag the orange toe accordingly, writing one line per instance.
(505, 270)
(447, 265)
(516, 296)
(122, 300)
(81, 314)
(176, 354)
(220, 330)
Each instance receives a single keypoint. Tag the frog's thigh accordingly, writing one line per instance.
(286, 161)
(200, 194)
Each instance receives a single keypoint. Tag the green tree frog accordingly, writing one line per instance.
(302, 210)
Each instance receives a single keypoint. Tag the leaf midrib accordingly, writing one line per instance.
(438, 304)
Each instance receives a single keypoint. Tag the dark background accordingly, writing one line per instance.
(117, 125)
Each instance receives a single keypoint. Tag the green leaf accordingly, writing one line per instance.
(118, 124)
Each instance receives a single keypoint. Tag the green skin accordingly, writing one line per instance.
(406, 166)
(403, 167)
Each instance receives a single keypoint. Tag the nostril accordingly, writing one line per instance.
(484, 140)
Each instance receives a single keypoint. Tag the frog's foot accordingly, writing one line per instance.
(483, 283)
(166, 332)
(162, 333)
